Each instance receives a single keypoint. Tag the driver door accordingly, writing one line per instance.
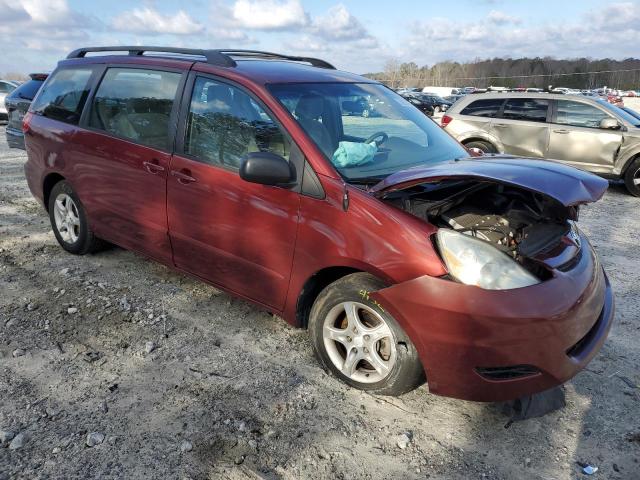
(236, 234)
(575, 137)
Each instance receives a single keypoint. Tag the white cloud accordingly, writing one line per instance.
(269, 14)
(149, 21)
(339, 24)
(500, 18)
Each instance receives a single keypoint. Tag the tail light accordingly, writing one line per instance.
(446, 119)
(25, 122)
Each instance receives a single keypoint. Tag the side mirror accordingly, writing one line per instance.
(266, 168)
(475, 152)
(609, 124)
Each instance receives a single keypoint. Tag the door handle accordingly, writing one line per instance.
(183, 176)
(153, 167)
(562, 131)
(501, 125)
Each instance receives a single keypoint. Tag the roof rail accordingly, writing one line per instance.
(316, 62)
(221, 57)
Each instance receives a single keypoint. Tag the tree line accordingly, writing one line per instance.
(581, 73)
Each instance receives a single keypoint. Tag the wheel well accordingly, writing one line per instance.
(312, 288)
(49, 182)
(628, 164)
(476, 139)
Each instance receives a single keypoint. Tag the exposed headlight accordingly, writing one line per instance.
(476, 262)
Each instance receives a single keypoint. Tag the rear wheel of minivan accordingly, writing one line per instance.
(359, 341)
(632, 178)
(69, 221)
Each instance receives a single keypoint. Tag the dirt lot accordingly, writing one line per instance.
(229, 391)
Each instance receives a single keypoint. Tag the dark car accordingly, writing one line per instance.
(425, 107)
(17, 103)
(404, 258)
(438, 103)
(356, 106)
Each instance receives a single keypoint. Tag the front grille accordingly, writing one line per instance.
(578, 348)
(507, 373)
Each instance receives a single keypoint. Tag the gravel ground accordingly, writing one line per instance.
(113, 366)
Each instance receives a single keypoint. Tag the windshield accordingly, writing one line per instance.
(366, 130)
(626, 116)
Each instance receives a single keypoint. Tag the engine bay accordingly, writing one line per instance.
(517, 221)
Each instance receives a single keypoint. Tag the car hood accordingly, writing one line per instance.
(565, 184)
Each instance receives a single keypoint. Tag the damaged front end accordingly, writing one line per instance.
(502, 225)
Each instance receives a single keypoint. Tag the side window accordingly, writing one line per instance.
(225, 123)
(527, 109)
(135, 104)
(6, 87)
(579, 114)
(64, 95)
(483, 108)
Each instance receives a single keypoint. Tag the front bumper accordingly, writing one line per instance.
(556, 326)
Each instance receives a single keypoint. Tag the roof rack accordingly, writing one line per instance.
(221, 57)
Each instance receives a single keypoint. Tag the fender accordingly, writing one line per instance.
(629, 151)
(481, 135)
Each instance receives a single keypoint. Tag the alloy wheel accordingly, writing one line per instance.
(359, 342)
(67, 219)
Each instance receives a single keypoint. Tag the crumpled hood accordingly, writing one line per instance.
(565, 184)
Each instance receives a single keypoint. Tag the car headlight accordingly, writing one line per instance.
(476, 262)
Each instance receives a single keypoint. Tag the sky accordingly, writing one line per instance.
(359, 35)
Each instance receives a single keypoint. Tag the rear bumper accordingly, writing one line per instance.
(556, 327)
(15, 138)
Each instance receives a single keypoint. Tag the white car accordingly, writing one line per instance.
(6, 87)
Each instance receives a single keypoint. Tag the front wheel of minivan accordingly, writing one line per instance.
(69, 221)
(360, 342)
(632, 178)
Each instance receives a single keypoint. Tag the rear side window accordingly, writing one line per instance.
(6, 87)
(483, 108)
(28, 90)
(135, 104)
(64, 95)
(527, 109)
(579, 114)
(225, 124)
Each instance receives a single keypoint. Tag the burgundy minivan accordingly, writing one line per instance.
(406, 259)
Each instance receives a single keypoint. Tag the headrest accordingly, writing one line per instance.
(310, 106)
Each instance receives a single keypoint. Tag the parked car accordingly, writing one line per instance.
(454, 98)
(403, 256)
(583, 132)
(6, 87)
(17, 103)
(356, 106)
(425, 107)
(615, 100)
(438, 103)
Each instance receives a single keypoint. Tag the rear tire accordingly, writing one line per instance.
(69, 221)
(632, 178)
(486, 147)
(360, 342)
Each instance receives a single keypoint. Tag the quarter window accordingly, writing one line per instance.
(579, 114)
(63, 96)
(135, 104)
(527, 109)
(225, 124)
(483, 108)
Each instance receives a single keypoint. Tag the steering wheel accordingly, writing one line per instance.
(380, 136)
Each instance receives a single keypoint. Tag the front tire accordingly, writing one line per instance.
(632, 178)
(69, 221)
(359, 341)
